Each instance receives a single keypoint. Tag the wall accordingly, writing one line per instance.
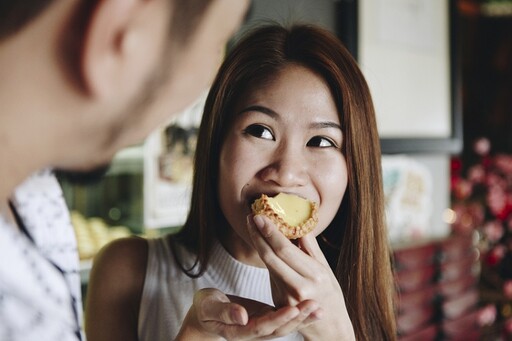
(322, 12)
(439, 166)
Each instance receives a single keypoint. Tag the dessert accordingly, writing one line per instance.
(293, 215)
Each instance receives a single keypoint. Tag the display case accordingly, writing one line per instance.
(109, 209)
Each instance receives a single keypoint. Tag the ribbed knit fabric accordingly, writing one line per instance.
(168, 292)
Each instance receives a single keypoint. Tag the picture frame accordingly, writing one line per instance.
(409, 52)
(168, 168)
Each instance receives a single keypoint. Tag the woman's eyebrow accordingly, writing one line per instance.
(325, 124)
(261, 109)
(273, 114)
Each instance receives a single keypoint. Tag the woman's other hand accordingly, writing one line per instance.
(214, 314)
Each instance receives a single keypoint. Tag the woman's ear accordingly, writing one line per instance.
(111, 45)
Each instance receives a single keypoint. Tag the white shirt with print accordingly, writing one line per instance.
(40, 295)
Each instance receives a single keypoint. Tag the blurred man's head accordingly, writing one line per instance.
(15, 15)
(113, 69)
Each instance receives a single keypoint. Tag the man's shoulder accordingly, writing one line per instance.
(35, 301)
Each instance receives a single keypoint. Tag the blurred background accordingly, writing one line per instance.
(440, 72)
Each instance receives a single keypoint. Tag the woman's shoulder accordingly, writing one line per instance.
(116, 282)
(120, 266)
(128, 255)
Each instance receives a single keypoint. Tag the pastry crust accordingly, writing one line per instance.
(262, 206)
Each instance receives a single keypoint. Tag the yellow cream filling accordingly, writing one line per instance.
(293, 209)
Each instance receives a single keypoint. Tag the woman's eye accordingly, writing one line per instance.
(320, 141)
(259, 131)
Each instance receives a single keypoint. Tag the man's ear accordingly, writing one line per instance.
(106, 39)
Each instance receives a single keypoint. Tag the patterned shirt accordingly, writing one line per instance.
(40, 295)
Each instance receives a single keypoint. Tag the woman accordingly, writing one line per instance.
(289, 111)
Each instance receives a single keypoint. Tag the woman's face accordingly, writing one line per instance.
(286, 137)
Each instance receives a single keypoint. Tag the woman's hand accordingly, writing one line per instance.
(299, 273)
(214, 315)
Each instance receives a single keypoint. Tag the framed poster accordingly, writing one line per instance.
(168, 169)
(408, 51)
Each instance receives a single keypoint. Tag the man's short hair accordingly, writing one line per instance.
(186, 17)
(15, 14)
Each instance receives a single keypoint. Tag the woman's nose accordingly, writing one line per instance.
(287, 168)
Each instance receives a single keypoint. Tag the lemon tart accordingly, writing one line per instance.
(294, 216)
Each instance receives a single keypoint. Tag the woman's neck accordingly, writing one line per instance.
(241, 250)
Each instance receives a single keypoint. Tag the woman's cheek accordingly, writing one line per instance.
(332, 184)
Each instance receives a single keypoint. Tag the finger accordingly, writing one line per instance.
(279, 253)
(228, 313)
(265, 326)
(213, 305)
(253, 307)
(309, 245)
(259, 327)
(312, 310)
(309, 312)
(263, 232)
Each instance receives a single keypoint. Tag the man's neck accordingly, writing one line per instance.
(33, 104)
(14, 169)
(6, 213)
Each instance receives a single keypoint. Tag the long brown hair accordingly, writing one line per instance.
(358, 246)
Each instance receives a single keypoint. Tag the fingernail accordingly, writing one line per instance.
(259, 222)
(308, 310)
(250, 219)
(318, 314)
(237, 317)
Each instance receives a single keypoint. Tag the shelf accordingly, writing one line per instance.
(496, 9)
(129, 160)
(85, 270)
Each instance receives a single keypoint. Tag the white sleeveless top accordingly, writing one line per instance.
(168, 292)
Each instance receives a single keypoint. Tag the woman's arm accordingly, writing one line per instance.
(115, 289)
